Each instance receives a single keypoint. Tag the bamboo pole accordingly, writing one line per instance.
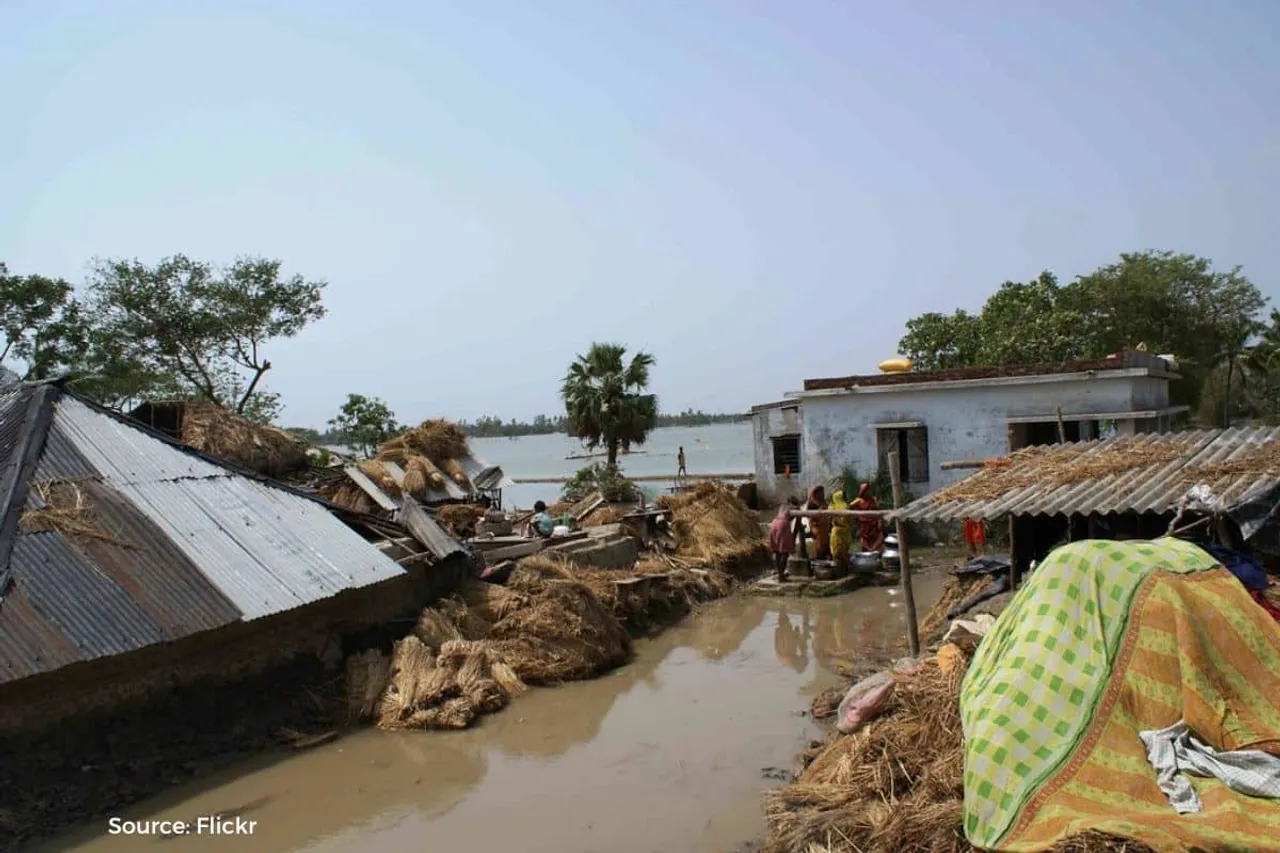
(904, 559)
(840, 513)
(1062, 428)
(963, 463)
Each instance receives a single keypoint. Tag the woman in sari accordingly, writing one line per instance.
(870, 531)
(841, 530)
(819, 527)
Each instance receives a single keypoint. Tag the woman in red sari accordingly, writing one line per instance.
(870, 530)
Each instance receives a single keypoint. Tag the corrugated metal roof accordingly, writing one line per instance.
(181, 544)
(78, 600)
(1146, 473)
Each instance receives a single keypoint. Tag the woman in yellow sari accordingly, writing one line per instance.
(819, 527)
(841, 530)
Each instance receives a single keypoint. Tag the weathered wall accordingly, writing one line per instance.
(964, 422)
(224, 655)
(767, 424)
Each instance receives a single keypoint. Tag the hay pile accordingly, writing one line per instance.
(673, 591)
(262, 448)
(66, 511)
(429, 455)
(1260, 461)
(444, 689)
(713, 528)
(956, 590)
(460, 519)
(895, 785)
(1048, 467)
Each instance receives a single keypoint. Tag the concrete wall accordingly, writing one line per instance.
(224, 655)
(962, 422)
(767, 424)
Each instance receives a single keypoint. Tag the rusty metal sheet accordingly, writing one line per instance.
(29, 645)
(1032, 483)
(78, 600)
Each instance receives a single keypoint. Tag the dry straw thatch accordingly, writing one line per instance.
(460, 519)
(1045, 468)
(66, 511)
(956, 590)
(261, 448)
(895, 785)
(713, 527)
(445, 688)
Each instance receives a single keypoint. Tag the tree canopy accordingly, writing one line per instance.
(605, 399)
(180, 328)
(363, 423)
(1175, 304)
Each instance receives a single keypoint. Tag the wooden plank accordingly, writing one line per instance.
(840, 513)
(370, 488)
(514, 552)
(597, 501)
(963, 463)
(426, 530)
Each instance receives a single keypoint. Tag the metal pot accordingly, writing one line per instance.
(866, 561)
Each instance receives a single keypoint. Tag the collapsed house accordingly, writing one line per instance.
(131, 564)
(1225, 482)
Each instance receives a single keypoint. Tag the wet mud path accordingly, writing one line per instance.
(669, 753)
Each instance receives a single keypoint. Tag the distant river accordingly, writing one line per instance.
(715, 449)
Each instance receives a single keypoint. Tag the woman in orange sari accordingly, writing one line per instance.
(870, 530)
(818, 526)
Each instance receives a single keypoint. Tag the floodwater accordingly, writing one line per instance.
(667, 754)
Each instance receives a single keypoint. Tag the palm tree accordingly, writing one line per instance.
(605, 400)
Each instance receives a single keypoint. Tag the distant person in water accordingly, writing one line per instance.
(542, 524)
(681, 471)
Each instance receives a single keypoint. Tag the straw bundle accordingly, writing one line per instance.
(491, 602)
(437, 440)
(425, 472)
(352, 497)
(453, 468)
(1048, 467)
(366, 678)
(262, 448)
(66, 511)
(713, 527)
(447, 690)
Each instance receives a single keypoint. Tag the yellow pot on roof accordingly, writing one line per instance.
(895, 365)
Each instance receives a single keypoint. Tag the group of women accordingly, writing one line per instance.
(833, 537)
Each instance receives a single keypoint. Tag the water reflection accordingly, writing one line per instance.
(682, 732)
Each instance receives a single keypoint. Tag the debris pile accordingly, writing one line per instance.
(897, 783)
(261, 448)
(429, 455)
(460, 519)
(472, 652)
(713, 527)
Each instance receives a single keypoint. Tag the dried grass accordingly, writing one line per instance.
(437, 440)
(367, 677)
(1263, 460)
(1048, 467)
(350, 496)
(956, 590)
(66, 511)
(607, 514)
(453, 468)
(447, 689)
(460, 519)
(713, 528)
(261, 448)
(895, 785)
(491, 602)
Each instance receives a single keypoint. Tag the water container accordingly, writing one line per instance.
(895, 365)
(560, 530)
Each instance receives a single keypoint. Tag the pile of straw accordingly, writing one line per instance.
(350, 496)
(66, 511)
(895, 785)
(1047, 467)
(713, 528)
(262, 448)
(956, 590)
(1261, 461)
(672, 592)
(460, 519)
(429, 454)
(445, 688)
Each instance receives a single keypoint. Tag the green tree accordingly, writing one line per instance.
(363, 423)
(605, 400)
(1173, 303)
(41, 323)
(189, 326)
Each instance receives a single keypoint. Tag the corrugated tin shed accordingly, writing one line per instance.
(1215, 470)
(115, 538)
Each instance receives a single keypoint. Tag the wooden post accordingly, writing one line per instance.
(1062, 428)
(1013, 554)
(904, 558)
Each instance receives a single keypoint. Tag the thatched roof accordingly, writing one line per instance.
(211, 429)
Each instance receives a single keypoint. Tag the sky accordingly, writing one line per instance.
(755, 192)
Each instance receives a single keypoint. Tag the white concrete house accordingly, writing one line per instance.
(935, 417)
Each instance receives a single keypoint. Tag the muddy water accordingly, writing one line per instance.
(666, 754)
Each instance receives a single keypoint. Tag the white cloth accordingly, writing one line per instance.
(1176, 751)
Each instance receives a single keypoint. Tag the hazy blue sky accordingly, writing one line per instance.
(754, 191)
